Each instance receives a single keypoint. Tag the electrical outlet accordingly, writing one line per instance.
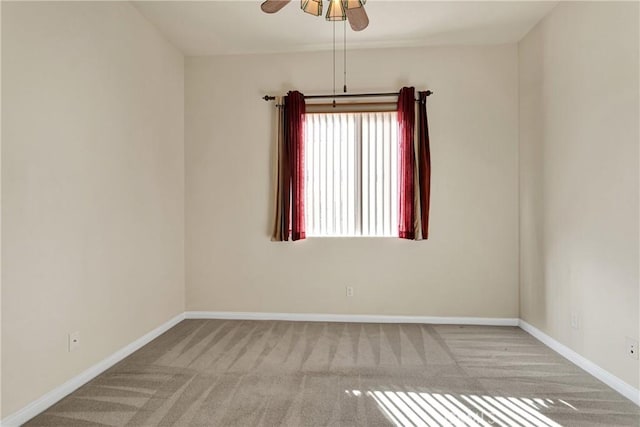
(349, 291)
(575, 321)
(74, 340)
(632, 348)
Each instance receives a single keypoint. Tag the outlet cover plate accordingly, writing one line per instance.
(575, 321)
(632, 348)
(74, 340)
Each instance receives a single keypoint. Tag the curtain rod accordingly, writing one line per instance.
(345, 95)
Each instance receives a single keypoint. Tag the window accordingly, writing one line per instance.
(351, 174)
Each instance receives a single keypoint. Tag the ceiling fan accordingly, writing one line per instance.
(338, 10)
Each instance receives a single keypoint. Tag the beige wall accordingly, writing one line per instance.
(92, 187)
(579, 180)
(468, 267)
(0, 215)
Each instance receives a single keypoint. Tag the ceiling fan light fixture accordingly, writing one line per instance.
(353, 4)
(313, 7)
(336, 11)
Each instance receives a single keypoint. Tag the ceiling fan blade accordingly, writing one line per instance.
(358, 18)
(272, 6)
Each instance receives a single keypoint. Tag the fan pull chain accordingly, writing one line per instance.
(334, 64)
(344, 48)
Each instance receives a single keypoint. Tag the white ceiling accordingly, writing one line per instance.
(239, 26)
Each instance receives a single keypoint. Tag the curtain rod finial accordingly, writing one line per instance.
(268, 98)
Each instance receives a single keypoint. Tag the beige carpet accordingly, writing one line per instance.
(264, 373)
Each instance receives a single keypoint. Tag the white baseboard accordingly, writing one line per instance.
(44, 402)
(358, 318)
(606, 377)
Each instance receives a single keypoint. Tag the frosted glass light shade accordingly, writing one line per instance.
(313, 7)
(336, 12)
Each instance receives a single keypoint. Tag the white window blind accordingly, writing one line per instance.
(351, 174)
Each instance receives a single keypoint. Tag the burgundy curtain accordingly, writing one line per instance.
(290, 209)
(406, 123)
(424, 163)
(415, 166)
